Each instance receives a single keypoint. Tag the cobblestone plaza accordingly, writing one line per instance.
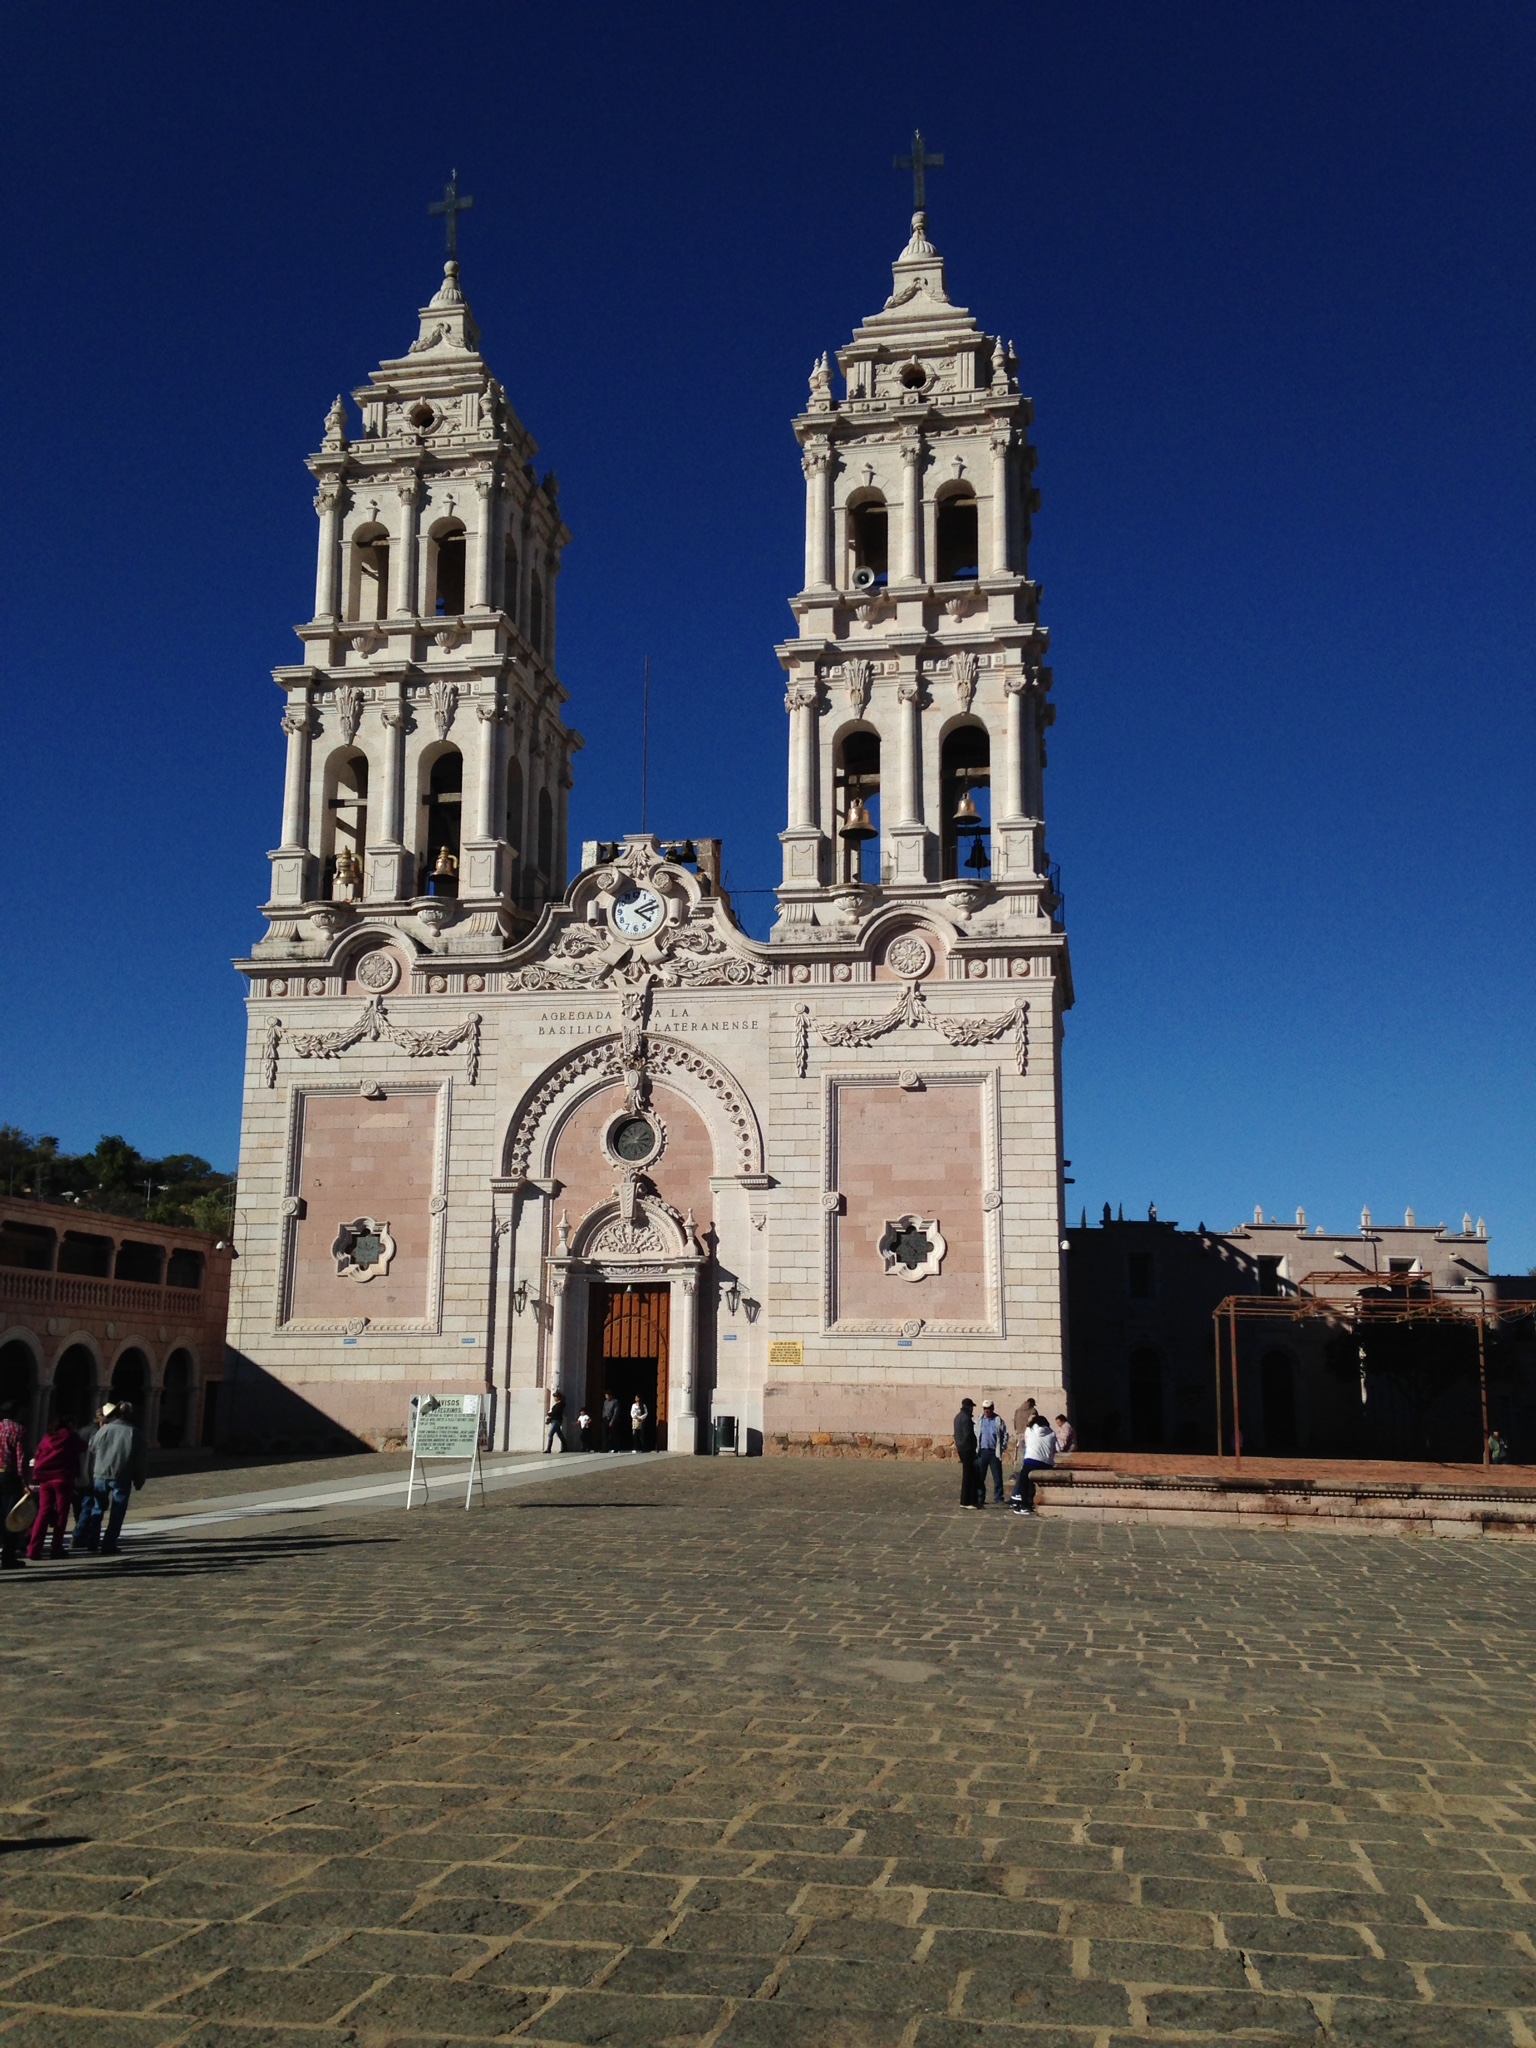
(678, 1751)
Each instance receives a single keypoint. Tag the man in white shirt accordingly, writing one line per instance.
(1039, 1455)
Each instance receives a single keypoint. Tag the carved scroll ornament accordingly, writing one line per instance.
(374, 1024)
(910, 1011)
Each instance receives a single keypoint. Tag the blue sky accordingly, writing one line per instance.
(1268, 269)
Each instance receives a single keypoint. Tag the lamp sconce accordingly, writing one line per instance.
(520, 1298)
(731, 1295)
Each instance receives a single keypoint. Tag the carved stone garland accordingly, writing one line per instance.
(374, 1024)
(912, 1011)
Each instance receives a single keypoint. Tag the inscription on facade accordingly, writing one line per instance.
(596, 1023)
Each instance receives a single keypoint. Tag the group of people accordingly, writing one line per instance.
(92, 1476)
(557, 1425)
(982, 1446)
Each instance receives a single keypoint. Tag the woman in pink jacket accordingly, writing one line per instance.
(55, 1470)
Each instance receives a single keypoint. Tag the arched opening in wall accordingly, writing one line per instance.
(1277, 1402)
(368, 583)
(73, 1396)
(141, 1263)
(856, 789)
(536, 615)
(546, 843)
(176, 1400)
(965, 802)
(1146, 1389)
(184, 1269)
(130, 1382)
(514, 829)
(18, 1380)
(83, 1251)
(443, 804)
(345, 829)
(509, 587)
(957, 537)
(868, 540)
(447, 570)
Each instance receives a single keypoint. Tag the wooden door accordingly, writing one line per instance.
(629, 1328)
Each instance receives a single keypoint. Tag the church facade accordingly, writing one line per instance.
(516, 1120)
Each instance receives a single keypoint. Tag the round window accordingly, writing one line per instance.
(632, 1139)
(423, 417)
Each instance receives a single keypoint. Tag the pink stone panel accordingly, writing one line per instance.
(910, 1151)
(360, 1158)
(681, 1174)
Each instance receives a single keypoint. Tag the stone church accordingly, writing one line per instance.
(515, 1121)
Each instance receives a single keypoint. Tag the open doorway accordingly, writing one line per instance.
(628, 1327)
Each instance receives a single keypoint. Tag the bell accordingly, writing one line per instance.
(978, 857)
(858, 827)
(446, 864)
(967, 817)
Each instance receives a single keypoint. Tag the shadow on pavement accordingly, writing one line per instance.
(15, 1846)
(180, 1557)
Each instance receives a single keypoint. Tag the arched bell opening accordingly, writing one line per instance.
(447, 560)
(957, 536)
(869, 555)
(368, 575)
(965, 803)
(856, 791)
(344, 828)
(442, 807)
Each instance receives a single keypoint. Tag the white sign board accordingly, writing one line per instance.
(447, 1427)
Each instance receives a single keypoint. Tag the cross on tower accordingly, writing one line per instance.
(451, 206)
(917, 163)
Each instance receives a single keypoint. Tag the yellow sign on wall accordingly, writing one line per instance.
(786, 1351)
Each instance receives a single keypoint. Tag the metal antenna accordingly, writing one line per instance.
(645, 744)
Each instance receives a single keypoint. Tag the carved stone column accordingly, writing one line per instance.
(554, 1362)
(904, 837)
(800, 703)
(290, 863)
(1001, 443)
(403, 554)
(683, 1371)
(480, 559)
(391, 865)
(1012, 807)
(328, 504)
(912, 508)
(817, 464)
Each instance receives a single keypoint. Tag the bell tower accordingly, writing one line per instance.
(918, 696)
(429, 764)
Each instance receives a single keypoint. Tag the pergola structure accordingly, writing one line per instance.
(1390, 1298)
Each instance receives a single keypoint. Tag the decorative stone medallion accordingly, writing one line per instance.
(913, 1247)
(909, 956)
(363, 1249)
(314, 986)
(378, 972)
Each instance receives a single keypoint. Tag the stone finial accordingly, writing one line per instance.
(821, 383)
(336, 424)
(1151, 1212)
(1482, 1228)
(1000, 382)
(1365, 1219)
(1466, 1223)
(1409, 1219)
(1301, 1219)
(1258, 1212)
(564, 1238)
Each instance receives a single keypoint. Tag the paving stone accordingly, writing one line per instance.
(760, 1759)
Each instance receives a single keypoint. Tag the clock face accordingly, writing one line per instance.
(638, 913)
(633, 1139)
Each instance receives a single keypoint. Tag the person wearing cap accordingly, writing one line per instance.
(965, 1451)
(116, 1466)
(991, 1442)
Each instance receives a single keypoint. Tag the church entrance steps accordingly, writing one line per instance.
(1361, 1497)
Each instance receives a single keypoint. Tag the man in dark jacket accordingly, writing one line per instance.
(610, 1422)
(965, 1451)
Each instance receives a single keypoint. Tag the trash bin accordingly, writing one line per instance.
(725, 1433)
